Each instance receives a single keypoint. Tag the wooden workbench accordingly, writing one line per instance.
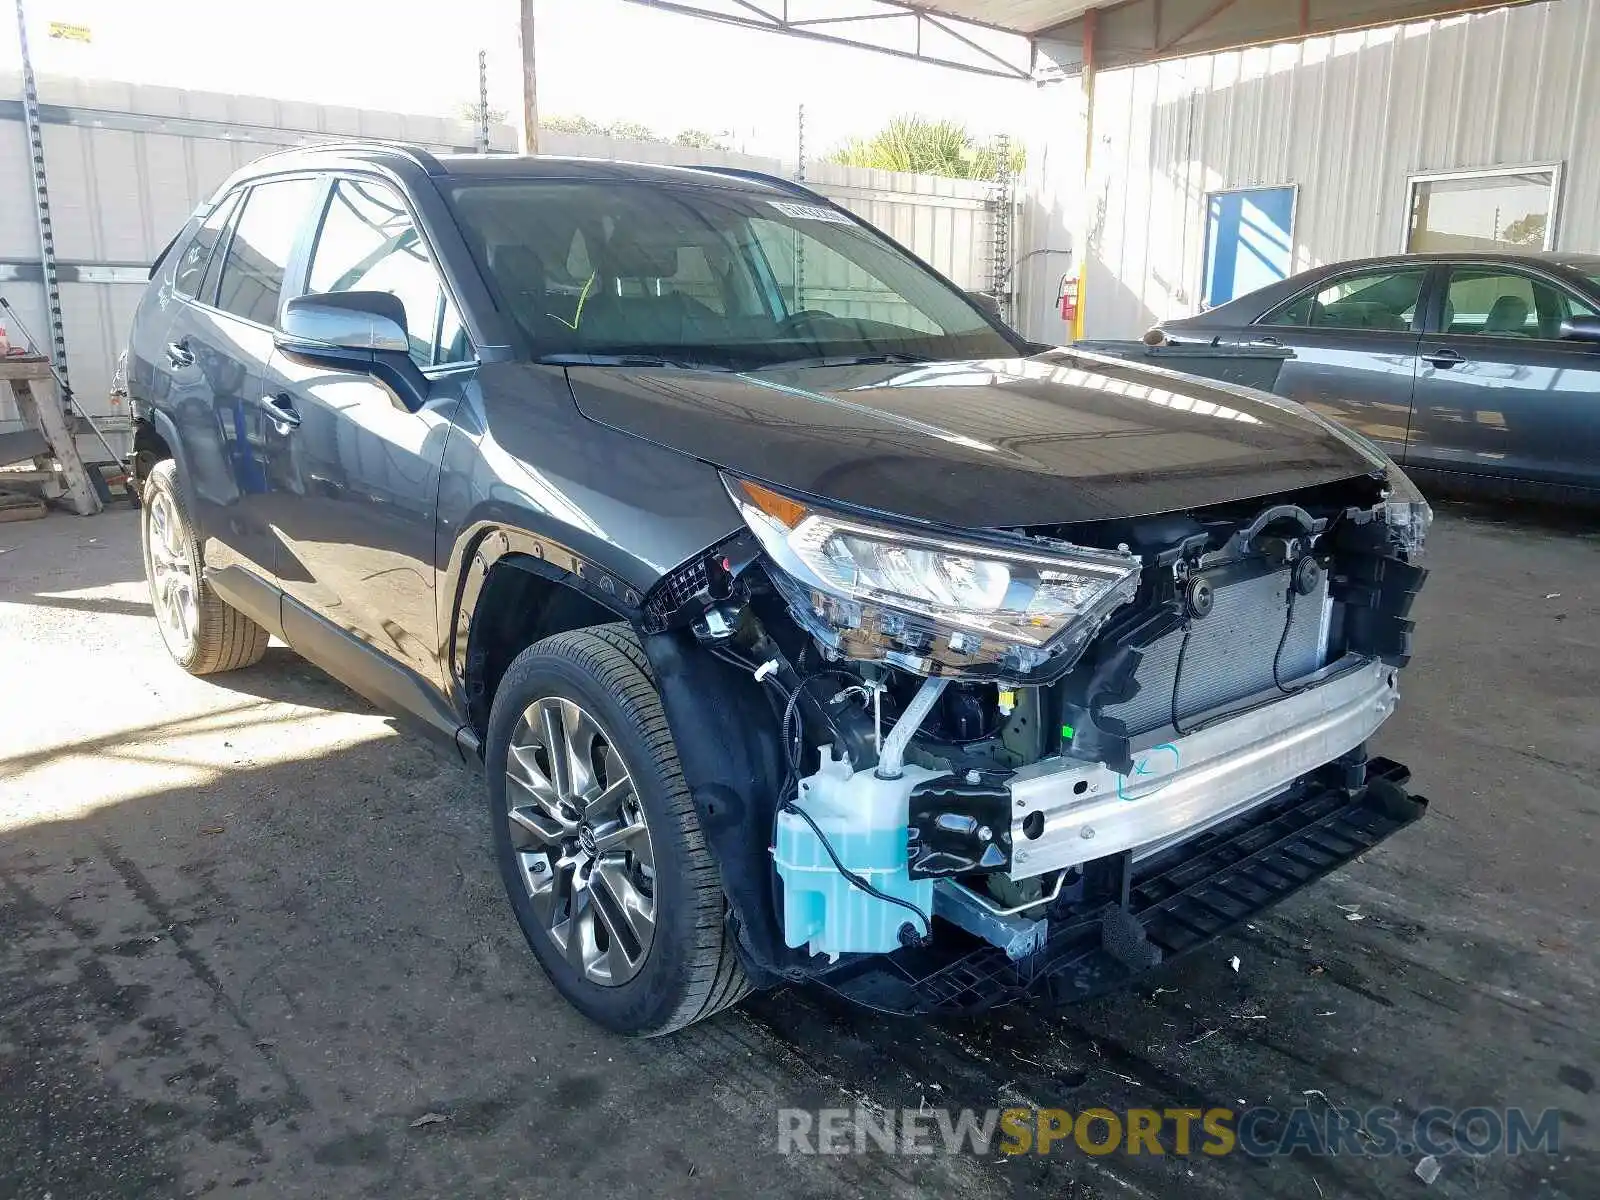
(33, 385)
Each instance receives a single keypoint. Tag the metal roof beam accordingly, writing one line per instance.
(963, 52)
(1048, 35)
(1141, 31)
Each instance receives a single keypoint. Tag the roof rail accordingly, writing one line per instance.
(421, 155)
(788, 185)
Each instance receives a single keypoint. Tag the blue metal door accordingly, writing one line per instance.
(1249, 241)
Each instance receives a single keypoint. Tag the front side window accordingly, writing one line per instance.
(198, 253)
(368, 243)
(258, 254)
(719, 275)
(1494, 302)
(1384, 300)
(1469, 213)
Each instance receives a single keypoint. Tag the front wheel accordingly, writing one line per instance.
(598, 840)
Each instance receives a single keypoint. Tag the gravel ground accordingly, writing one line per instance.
(252, 933)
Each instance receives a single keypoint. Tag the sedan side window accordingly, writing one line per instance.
(1494, 302)
(258, 254)
(1381, 300)
(368, 243)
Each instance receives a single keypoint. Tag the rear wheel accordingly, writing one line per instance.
(203, 633)
(598, 841)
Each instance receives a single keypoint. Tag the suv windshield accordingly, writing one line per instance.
(708, 276)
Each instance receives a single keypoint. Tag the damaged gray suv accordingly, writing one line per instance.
(809, 624)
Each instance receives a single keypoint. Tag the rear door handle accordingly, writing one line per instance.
(179, 355)
(1444, 359)
(282, 410)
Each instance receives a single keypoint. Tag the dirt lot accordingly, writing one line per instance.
(251, 933)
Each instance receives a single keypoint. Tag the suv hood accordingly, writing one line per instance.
(1061, 438)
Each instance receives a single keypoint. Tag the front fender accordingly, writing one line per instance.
(604, 512)
(484, 544)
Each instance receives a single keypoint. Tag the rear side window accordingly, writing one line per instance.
(1383, 300)
(258, 254)
(368, 243)
(208, 287)
(197, 254)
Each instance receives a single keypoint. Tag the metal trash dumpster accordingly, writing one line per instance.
(1248, 366)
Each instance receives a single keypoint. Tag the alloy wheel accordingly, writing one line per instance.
(581, 840)
(172, 581)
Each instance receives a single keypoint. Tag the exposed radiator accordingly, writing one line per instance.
(1230, 653)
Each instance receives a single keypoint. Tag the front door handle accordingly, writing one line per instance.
(282, 410)
(179, 355)
(1444, 359)
(1269, 340)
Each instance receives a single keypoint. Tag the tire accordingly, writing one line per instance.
(204, 633)
(689, 969)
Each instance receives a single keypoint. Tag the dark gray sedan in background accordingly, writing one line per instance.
(1477, 370)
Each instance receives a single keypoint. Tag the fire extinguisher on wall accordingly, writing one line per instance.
(1067, 299)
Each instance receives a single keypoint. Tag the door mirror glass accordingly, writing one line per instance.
(1581, 329)
(361, 321)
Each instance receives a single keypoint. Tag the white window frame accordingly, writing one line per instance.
(1555, 170)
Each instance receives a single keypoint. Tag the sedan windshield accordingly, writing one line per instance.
(708, 276)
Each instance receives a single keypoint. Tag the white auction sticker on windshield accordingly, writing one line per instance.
(810, 212)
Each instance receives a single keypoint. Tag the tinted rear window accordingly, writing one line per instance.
(197, 254)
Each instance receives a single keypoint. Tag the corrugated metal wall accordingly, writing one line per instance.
(948, 222)
(1346, 119)
(127, 164)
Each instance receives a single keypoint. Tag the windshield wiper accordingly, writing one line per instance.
(629, 360)
(849, 360)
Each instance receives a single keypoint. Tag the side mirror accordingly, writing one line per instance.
(359, 321)
(354, 331)
(1581, 329)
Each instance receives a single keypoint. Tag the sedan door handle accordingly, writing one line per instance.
(282, 410)
(1444, 359)
(179, 355)
(1269, 340)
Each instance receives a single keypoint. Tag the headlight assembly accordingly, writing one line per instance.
(873, 590)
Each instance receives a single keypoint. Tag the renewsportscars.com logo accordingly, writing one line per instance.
(1259, 1132)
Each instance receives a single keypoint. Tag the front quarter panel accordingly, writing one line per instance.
(527, 474)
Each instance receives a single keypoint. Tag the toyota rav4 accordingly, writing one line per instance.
(809, 624)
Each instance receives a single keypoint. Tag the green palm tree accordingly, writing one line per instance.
(924, 146)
